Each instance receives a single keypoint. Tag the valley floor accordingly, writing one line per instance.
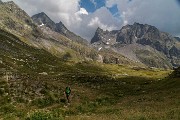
(115, 92)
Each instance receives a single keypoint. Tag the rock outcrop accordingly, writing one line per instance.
(42, 19)
(141, 37)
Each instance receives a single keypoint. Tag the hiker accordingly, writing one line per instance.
(68, 92)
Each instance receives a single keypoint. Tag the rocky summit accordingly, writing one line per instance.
(142, 43)
(42, 19)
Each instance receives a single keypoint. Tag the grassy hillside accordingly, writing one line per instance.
(32, 83)
(96, 94)
(153, 60)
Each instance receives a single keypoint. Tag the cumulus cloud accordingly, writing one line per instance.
(63, 10)
(164, 14)
(104, 19)
(75, 18)
(100, 18)
(83, 11)
(96, 22)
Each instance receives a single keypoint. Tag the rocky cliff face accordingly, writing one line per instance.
(42, 33)
(42, 19)
(105, 37)
(60, 28)
(17, 22)
(140, 37)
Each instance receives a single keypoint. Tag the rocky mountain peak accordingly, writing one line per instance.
(141, 37)
(99, 30)
(104, 37)
(132, 33)
(14, 8)
(129, 34)
(60, 27)
(42, 19)
(11, 7)
(10, 2)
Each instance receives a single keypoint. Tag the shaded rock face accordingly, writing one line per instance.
(106, 37)
(138, 33)
(174, 52)
(61, 28)
(141, 34)
(42, 19)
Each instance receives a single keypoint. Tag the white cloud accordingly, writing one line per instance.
(163, 14)
(100, 18)
(96, 22)
(69, 12)
(83, 11)
(63, 10)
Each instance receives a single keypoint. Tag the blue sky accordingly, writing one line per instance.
(83, 17)
(92, 5)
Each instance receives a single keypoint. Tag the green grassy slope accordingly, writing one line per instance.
(99, 91)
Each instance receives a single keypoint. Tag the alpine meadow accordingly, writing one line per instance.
(89, 60)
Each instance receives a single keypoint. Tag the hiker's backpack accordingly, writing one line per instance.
(68, 90)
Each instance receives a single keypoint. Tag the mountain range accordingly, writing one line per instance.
(42, 19)
(52, 37)
(141, 43)
(137, 44)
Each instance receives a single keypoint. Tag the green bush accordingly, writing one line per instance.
(44, 116)
(7, 109)
(67, 56)
(43, 102)
(105, 101)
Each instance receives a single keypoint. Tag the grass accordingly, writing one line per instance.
(99, 91)
(100, 96)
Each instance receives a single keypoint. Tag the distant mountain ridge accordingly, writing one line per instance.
(54, 38)
(16, 21)
(141, 39)
(42, 19)
(136, 44)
